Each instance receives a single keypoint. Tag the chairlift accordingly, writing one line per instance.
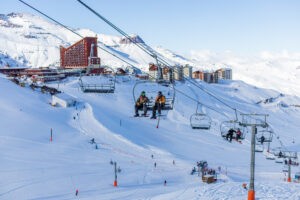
(278, 152)
(232, 124)
(279, 160)
(264, 136)
(200, 120)
(285, 168)
(101, 81)
(151, 89)
(259, 148)
(270, 156)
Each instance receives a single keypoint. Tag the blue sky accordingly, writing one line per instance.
(242, 26)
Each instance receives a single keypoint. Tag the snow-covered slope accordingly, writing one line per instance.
(35, 168)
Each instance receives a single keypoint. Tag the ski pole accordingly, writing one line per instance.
(158, 121)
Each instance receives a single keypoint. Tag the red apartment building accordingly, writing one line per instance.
(81, 54)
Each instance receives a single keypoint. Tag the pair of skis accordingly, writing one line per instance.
(158, 119)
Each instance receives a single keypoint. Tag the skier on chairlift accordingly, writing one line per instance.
(160, 101)
(262, 139)
(141, 104)
(230, 134)
(238, 134)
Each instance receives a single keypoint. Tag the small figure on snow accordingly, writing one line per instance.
(152, 156)
(76, 193)
(141, 104)
(173, 162)
(280, 154)
(92, 140)
(230, 134)
(193, 170)
(165, 183)
(160, 101)
(244, 185)
(155, 164)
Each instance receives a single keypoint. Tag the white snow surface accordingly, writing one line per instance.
(32, 167)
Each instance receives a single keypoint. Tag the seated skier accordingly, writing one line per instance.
(141, 104)
(262, 139)
(159, 103)
(230, 134)
(238, 134)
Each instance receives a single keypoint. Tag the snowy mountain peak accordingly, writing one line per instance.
(132, 37)
(39, 40)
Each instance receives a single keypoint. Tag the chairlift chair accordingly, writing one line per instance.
(200, 120)
(270, 156)
(277, 151)
(259, 148)
(104, 82)
(285, 168)
(279, 160)
(151, 89)
(232, 124)
(267, 134)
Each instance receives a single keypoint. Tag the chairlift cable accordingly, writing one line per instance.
(123, 33)
(151, 53)
(197, 101)
(114, 27)
(145, 50)
(64, 26)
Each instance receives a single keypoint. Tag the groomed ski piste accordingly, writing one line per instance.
(33, 167)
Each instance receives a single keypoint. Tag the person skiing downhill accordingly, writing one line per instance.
(141, 104)
(160, 101)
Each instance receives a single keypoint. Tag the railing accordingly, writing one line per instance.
(106, 88)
